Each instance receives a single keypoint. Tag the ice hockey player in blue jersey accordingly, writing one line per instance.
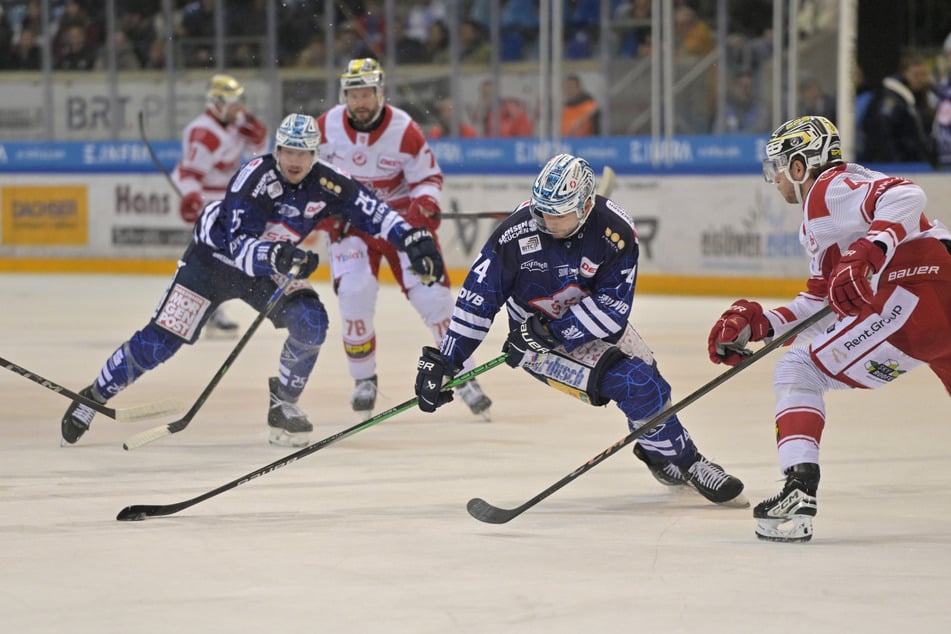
(243, 247)
(564, 266)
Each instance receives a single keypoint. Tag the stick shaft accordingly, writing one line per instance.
(155, 158)
(485, 512)
(153, 434)
(137, 512)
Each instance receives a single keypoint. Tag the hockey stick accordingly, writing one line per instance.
(149, 435)
(155, 158)
(145, 511)
(485, 512)
(605, 187)
(122, 415)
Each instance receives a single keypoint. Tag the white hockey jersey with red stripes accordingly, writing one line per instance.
(394, 160)
(846, 203)
(211, 155)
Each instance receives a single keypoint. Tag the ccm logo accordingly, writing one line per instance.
(914, 270)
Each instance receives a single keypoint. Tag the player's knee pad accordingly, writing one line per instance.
(305, 318)
(357, 292)
(434, 305)
(145, 350)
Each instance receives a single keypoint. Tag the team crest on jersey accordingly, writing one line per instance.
(530, 244)
(274, 189)
(886, 372)
(313, 208)
(359, 158)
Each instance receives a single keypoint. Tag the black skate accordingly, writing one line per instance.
(363, 399)
(787, 516)
(667, 473)
(715, 484)
(288, 424)
(77, 418)
(473, 396)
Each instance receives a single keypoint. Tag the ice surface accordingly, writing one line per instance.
(371, 534)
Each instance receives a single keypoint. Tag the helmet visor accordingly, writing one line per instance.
(773, 166)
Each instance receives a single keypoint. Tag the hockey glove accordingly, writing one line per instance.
(253, 130)
(531, 338)
(432, 372)
(424, 212)
(424, 256)
(282, 256)
(190, 207)
(742, 323)
(850, 288)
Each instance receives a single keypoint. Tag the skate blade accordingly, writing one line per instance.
(739, 502)
(283, 438)
(797, 528)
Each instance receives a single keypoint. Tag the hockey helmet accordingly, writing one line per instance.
(223, 90)
(813, 140)
(298, 132)
(563, 187)
(361, 73)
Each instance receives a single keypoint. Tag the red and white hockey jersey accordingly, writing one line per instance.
(211, 155)
(846, 203)
(394, 160)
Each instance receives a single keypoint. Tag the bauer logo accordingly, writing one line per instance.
(45, 215)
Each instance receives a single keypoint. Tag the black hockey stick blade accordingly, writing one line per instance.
(153, 434)
(122, 415)
(491, 514)
(138, 512)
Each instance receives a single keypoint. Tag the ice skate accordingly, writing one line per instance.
(473, 396)
(363, 399)
(77, 418)
(715, 484)
(667, 473)
(787, 516)
(220, 326)
(287, 423)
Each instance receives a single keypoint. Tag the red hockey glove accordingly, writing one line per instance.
(190, 207)
(253, 130)
(424, 212)
(849, 287)
(742, 323)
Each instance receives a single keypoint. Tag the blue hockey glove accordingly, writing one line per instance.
(282, 256)
(424, 256)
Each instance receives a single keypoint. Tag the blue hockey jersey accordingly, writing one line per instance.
(260, 206)
(583, 285)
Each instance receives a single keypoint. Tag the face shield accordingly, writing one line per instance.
(773, 166)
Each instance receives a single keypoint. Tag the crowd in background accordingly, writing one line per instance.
(77, 31)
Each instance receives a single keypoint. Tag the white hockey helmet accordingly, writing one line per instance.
(364, 72)
(563, 187)
(813, 140)
(298, 132)
(223, 90)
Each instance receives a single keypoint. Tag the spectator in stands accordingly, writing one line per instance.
(421, 15)
(634, 32)
(436, 45)
(896, 125)
(692, 36)
(74, 53)
(198, 32)
(744, 113)
(156, 57)
(140, 31)
(6, 41)
(443, 126)
(519, 25)
(580, 115)
(863, 97)
(126, 58)
(408, 49)
(941, 130)
(26, 53)
(510, 121)
(371, 29)
(474, 43)
(815, 102)
(314, 55)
